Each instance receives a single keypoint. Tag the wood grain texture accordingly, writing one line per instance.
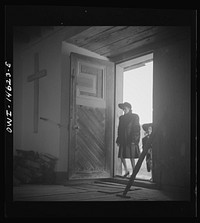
(106, 37)
(118, 36)
(88, 191)
(83, 37)
(131, 41)
(90, 151)
(91, 128)
(116, 40)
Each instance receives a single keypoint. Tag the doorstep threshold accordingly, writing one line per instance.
(137, 182)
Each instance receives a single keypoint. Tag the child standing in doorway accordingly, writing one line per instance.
(148, 130)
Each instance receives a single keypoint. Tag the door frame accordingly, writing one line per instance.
(125, 65)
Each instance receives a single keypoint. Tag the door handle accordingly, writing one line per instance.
(76, 127)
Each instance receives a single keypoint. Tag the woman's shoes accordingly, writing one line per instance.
(126, 174)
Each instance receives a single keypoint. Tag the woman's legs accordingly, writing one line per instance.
(132, 163)
(125, 165)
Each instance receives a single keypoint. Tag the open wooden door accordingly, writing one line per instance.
(91, 118)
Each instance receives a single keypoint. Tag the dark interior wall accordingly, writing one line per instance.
(171, 102)
(171, 109)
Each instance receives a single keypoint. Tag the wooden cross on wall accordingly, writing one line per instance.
(35, 77)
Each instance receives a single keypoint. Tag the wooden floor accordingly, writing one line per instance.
(88, 190)
(96, 198)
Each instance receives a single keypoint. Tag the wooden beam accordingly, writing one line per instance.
(106, 37)
(133, 52)
(82, 37)
(131, 42)
(116, 35)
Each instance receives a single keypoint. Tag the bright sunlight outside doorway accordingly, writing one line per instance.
(138, 90)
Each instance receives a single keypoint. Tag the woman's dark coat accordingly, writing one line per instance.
(128, 133)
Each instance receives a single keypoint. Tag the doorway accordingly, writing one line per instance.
(134, 84)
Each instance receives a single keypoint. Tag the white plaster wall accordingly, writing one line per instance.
(49, 49)
(47, 138)
(54, 55)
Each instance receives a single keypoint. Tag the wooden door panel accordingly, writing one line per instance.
(90, 139)
(91, 117)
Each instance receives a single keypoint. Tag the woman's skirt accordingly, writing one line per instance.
(129, 151)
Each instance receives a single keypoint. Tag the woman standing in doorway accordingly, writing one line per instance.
(128, 136)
